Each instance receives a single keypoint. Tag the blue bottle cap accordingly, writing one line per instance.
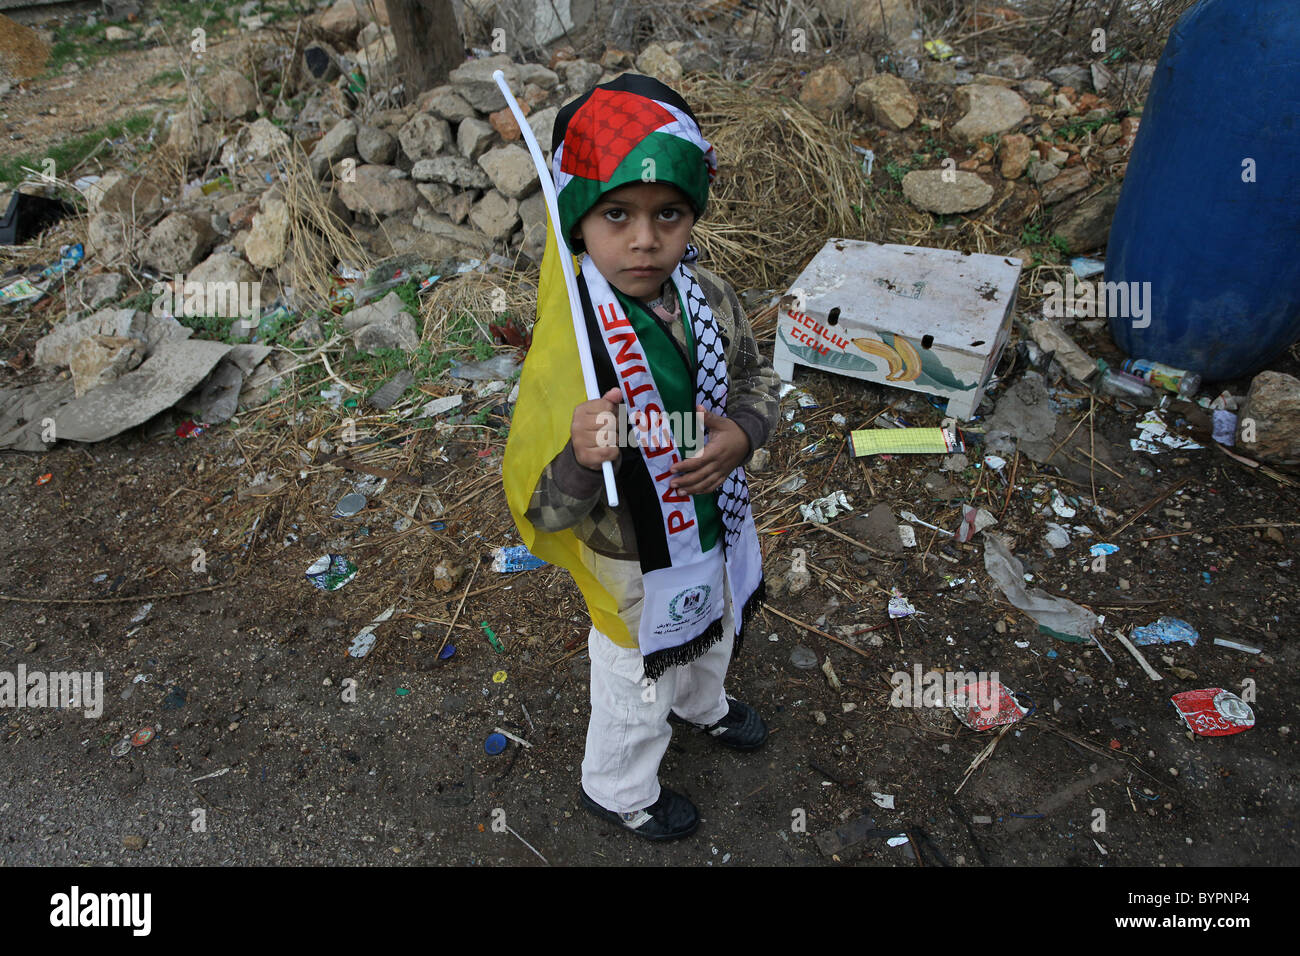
(447, 652)
(494, 744)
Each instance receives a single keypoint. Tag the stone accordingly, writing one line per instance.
(887, 100)
(342, 20)
(377, 59)
(464, 239)
(1073, 75)
(424, 137)
(511, 170)
(1036, 89)
(399, 333)
(827, 89)
(503, 122)
(473, 137)
(495, 215)
(1041, 172)
(107, 238)
(193, 139)
(222, 266)
(895, 19)
(542, 124)
(473, 82)
(988, 110)
(455, 170)
(435, 194)
(926, 189)
(320, 61)
(232, 94)
(254, 142)
(616, 59)
(445, 103)
(94, 193)
(532, 212)
(101, 359)
(177, 243)
(1017, 66)
(1085, 226)
(1069, 182)
(376, 146)
(758, 462)
(1273, 407)
(269, 236)
(457, 207)
(579, 76)
(338, 143)
(694, 56)
(134, 197)
(377, 192)
(1015, 148)
(989, 79)
(536, 73)
(93, 290)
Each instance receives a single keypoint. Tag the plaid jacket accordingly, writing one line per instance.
(569, 495)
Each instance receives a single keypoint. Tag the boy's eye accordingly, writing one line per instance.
(613, 214)
(672, 214)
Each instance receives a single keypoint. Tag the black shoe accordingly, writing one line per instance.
(742, 728)
(671, 817)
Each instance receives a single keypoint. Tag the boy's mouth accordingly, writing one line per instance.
(643, 271)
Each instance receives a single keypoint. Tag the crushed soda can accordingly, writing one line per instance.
(1213, 712)
(330, 572)
(900, 606)
(122, 747)
(515, 558)
(985, 704)
(349, 505)
(1167, 630)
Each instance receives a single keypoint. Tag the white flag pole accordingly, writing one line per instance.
(566, 263)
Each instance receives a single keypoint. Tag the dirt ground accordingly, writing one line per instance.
(260, 758)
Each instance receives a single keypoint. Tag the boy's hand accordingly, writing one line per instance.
(595, 430)
(725, 449)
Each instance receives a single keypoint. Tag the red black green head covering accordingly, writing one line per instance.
(632, 129)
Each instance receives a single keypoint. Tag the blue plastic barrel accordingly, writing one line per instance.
(1209, 212)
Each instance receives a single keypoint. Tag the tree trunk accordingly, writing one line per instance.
(429, 44)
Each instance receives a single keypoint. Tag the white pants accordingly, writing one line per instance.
(629, 730)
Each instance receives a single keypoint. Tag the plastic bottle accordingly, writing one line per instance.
(1119, 384)
(1185, 383)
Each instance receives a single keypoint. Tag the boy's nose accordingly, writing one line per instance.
(644, 235)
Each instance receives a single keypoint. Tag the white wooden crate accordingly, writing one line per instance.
(929, 320)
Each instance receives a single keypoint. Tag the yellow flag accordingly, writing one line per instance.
(549, 390)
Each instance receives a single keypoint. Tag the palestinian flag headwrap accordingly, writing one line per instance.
(635, 129)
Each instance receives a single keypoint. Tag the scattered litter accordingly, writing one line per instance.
(1153, 430)
(984, 704)
(447, 652)
(1056, 537)
(905, 441)
(388, 393)
(792, 485)
(515, 558)
(1056, 616)
(1213, 712)
(403, 691)
(908, 516)
(1083, 267)
(939, 49)
(330, 572)
(1224, 427)
(501, 366)
(1137, 655)
(900, 606)
(897, 841)
(1100, 549)
(1179, 381)
(831, 677)
(122, 747)
(191, 429)
(1061, 506)
(883, 800)
(349, 505)
(440, 405)
(141, 614)
(1050, 337)
(492, 637)
(44, 478)
(499, 677)
(1167, 630)
(1235, 646)
(907, 535)
(494, 744)
(365, 639)
(142, 736)
(803, 658)
(821, 510)
(973, 521)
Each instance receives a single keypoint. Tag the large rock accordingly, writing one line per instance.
(887, 100)
(579, 76)
(989, 110)
(1272, 410)
(108, 238)
(254, 142)
(536, 73)
(376, 190)
(342, 21)
(269, 235)
(338, 143)
(542, 124)
(827, 88)
(473, 82)
(1015, 149)
(222, 267)
(101, 359)
(383, 325)
(463, 238)
(424, 137)
(93, 290)
(511, 170)
(927, 189)
(657, 62)
(1085, 225)
(376, 146)
(454, 170)
(134, 197)
(233, 94)
(1071, 181)
(495, 216)
(533, 213)
(177, 243)
(445, 103)
(192, 138)
(473, 137)
(1017, 66)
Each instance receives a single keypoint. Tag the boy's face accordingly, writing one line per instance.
(637, 234)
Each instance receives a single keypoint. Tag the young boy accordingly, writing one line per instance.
(671, 574)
